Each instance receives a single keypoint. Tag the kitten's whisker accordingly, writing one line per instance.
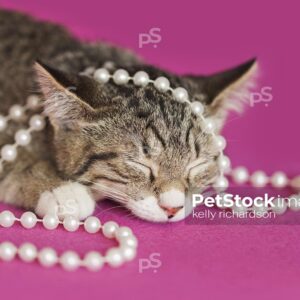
(106, 187)
(110, 194)
(111, 208)
(107, 191)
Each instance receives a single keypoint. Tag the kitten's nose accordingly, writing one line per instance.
(171, 211)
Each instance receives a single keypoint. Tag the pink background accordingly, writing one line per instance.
(208, 262)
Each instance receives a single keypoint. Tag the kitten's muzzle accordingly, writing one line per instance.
(172, 201)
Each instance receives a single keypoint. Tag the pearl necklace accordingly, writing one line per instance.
(116, 256)
(69, 260)
(22, 136)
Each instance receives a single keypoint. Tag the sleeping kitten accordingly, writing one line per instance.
(133, 144)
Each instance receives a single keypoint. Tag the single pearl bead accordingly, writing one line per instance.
(141, 78)
(209, 126)
(27, 252)
(37, 122)
(102, 75)
(109, 229)
(121, 77)
(109, 65)
(50, 222)
(294, 202)
(180, 94)
(70, 223)
(47, 257)
(259, 179)
(9, 152)
(129, 241)
(3, 123)
(220, 142)
(114, 257)
(295, 183)
(16, 112)
(239, 209)
(240, 175)
(22, 137)
(89, 71)
(128, 253)
(28, 220)
(92, 225)
(221, 184)
(33, 101)
(224, 162)
(70, 260)
(162, 84)
(123, 231)
(93, 261)
(8, 251)
(279, 206)
(279, 180)
(197, 108)
(7, 218)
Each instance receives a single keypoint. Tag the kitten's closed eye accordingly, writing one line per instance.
(196, 168)
(197, 164)
(149, 171)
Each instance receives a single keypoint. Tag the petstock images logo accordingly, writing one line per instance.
(239, 206)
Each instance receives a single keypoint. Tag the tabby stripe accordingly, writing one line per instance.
(118, 172)
(94, 158)
(197, 149)
(187, 137)
(143, 114)
(157, 134)
(161, 104)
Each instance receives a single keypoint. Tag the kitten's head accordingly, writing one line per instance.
(136, 144)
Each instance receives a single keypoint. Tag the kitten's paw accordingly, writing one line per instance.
(69, 199)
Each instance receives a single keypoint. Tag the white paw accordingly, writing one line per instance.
(69, 199)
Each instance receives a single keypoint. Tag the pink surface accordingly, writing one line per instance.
(204, 262)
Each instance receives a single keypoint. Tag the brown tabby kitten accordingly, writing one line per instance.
(134, 144)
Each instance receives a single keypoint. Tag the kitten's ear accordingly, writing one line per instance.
(63, 104)
(228, 89)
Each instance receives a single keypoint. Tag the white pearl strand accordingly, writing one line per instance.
(16, 112)
(162, 84)
(22, 136)
(69, 260)
(259, 179)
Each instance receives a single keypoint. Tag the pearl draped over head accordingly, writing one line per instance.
(126, 251)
